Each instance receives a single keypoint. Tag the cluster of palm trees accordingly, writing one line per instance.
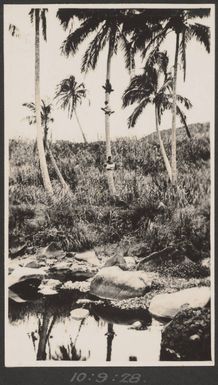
(133, 31)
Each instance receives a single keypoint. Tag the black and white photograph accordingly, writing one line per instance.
(109, 185)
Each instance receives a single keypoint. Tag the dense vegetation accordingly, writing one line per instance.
(148, 210)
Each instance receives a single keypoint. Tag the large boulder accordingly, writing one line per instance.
(114, 283)
(168, 305)
(187, 337)
(21, 274)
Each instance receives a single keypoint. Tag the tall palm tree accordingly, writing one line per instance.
(181, 23)
(154, 86)
(46, 119)
(39, 15)
(106, 25)
(69, 94)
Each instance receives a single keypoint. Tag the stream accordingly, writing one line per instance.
(44, 328)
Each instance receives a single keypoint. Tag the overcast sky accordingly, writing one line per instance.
(19, 82)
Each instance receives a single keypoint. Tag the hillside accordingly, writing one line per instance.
(87, 218)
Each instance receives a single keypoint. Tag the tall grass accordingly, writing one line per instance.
(153, 213)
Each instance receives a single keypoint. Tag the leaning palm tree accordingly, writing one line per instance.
(154, 86)
(181, 22)
(39, 15)
(70, 94)
(46, 119)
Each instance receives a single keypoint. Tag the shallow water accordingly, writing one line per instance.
(44, 329)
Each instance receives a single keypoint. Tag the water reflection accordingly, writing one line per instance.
(53, 334)
(110, 336)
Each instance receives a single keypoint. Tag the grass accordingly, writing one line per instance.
(154, 215)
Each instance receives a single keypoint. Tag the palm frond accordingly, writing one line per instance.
(138, 89)
(137, 112)
(129, 51)
(30, 106)
(44, 24)
(198, 13)
(91, 55)
(183, 120)
(32, 14)
(201, 33)
(184, 101)
(74, 39)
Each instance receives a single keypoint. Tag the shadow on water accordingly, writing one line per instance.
(48, 331)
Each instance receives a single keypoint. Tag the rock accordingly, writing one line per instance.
(83, 287)
(138, 250)
(49, 286)
(48, 291)
(15, 297)
(114, 312)
(114, 283)
(17, 251)
(34, 264)
(79, 314)
(172, 261)
(68, 271)
(137, 325)
(187, 337)
(168, 305)
(51, 251)
(89, 257)
(21, 274)
(130, 262)
(116, 260)
(84, 301)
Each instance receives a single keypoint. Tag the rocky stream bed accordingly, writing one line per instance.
(110, 300)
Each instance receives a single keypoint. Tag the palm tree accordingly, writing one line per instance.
(180, 22)
(46, 119)
(107, 26)
(150, 88)
(39, 15)
(69, 94)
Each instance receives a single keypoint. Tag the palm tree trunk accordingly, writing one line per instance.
(162, 148)
(110, 176)
(107, 104)
(173, 162)
(41, 352)
(42, 161)
(54, 164)
(110, 337)
(82, 132)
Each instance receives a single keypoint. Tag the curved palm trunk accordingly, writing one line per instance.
(162, 148)
(82, 132)
(110, 176)
(173, 162)
(40, 146)
(54, 164)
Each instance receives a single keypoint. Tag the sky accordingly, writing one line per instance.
(19, 82)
